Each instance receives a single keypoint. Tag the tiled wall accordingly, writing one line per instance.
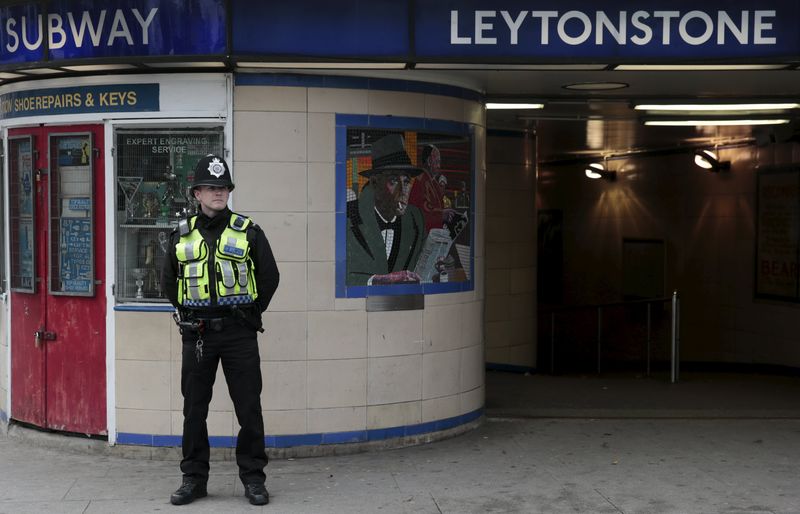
(328, 365)
(707, 221)
(511, 250)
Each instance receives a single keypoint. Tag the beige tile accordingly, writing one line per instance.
(337, 335)
(472, 400)
(472, 366)
(396, 103)
(394, 379)
(285, 422)
(394, 333)
(321, 187)
(337, 420)
(479, 280)
(284, 337)
(257, 186)
(350, 304)
(284, 385)
(352, 101)
(441, 408)
(498, 281)
(337, 383)
(321, 236)
(497, 355)
(441, 107)
(442, 327)
(291, 294)
(321, 286)
(143, 335)
(270, 136)
(449, 298)
(394, 415)
(472, 332)
(218, 423)
(475, 113)
(321, 137)
(142, 421)
(135, 393)
(286, 233)
(441, 373)
(269, 98)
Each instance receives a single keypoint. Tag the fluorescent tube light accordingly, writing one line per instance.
(497, 105)
(325, 65)
(99, 67)
(717, 107)
(713, 123)
(698, 67)
(510, 67)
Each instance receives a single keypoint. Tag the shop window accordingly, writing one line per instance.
(154, 171)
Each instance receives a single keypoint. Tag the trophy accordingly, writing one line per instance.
(150, 204)
(129, 186)
(139, 274)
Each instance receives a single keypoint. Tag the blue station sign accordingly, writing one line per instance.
(76, 29)
(83, 99)
(581, 31)
(500, 31)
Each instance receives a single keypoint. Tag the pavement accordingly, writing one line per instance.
(620, 463)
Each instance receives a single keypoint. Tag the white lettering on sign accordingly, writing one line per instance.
(695, 27)
(100, 28)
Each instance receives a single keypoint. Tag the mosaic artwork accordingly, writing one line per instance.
(409, 208)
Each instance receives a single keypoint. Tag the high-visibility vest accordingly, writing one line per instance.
(233, 267)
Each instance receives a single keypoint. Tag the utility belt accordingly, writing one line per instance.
(218, 319)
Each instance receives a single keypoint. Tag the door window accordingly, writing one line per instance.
(22, 182)
(71, 262)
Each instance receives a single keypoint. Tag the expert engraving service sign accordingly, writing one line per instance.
(75, 100)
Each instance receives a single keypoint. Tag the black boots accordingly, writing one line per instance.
(188, 492)
(256, 493)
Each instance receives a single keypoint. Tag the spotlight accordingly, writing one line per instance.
(708, 160)
(597, 170)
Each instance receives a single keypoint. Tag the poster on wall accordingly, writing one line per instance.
(408, 210)
(778, 234)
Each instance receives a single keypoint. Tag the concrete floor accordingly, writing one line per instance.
(621, 462)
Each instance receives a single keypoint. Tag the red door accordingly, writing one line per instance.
(58, 304)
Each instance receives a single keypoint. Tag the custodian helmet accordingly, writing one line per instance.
(212, 170)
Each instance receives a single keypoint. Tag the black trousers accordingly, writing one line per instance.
(237, 347)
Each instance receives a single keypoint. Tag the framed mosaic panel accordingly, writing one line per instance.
(404, 206)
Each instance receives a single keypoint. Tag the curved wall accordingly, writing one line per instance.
(333, 372)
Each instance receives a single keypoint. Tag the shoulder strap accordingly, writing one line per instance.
(186, 225)
(239, 222)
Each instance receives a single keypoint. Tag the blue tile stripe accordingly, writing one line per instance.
(339, 82)
(288, 441)
(144, 308)
(3, 416)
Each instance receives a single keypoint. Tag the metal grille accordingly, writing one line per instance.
(154, 171)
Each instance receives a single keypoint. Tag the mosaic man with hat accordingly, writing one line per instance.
(220, 274)
(385, 233)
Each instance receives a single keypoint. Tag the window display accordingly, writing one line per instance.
(154, 170)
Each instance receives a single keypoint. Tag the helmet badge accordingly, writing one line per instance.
(216, 168)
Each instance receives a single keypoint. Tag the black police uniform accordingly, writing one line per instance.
(229, 335)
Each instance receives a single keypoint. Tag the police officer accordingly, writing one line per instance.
(220, 274)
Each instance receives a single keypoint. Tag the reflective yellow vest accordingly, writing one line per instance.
(233, 268)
